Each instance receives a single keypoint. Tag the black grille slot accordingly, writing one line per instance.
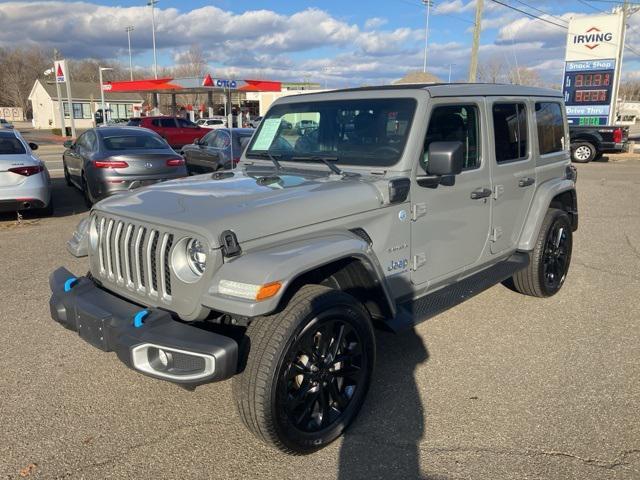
(141, 257)
(187, 363)
(153, 260)
(167, 272)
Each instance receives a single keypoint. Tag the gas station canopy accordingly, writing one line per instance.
(192, 85)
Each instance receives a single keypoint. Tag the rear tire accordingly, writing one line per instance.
(550, 259)
(583, 152)
(294, 394)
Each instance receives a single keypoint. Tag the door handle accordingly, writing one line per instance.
(525, 182)
(479, 193)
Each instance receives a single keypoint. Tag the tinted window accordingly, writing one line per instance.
(133, 142)
(90, 140)
(210, 139)
(455, 123)
(164, 122)
(510, 131)
(11, 146)
(369, 132)
(550, 127)
(182, 123)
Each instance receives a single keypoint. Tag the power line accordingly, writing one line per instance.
(461, 19)
(541, 11)
(536, 17)
(591, 6)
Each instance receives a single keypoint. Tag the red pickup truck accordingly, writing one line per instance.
(175, 130)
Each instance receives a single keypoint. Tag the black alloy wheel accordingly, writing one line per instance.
(556, 256)
(323, 370)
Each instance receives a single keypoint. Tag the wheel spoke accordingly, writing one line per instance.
(337, 342)
(337, 396)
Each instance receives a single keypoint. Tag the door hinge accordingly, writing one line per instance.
(496, 233)
(498, 191)
(419, 260)
(418, 210)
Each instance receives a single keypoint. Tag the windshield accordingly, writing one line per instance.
(371, 132)
(134, 142)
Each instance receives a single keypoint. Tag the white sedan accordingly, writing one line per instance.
(25, 183)
(212, 123)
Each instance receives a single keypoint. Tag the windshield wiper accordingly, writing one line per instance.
(324, 159)
(269, 155)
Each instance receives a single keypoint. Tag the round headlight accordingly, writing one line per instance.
(196, 256)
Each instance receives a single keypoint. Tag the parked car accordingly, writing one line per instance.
(5, 124)
(108, 160)
(177, 131)
(591, 142)
(24, 179)
(212, 123)
(434, 196)
(213, 151)
(305, 125)
(255, 122)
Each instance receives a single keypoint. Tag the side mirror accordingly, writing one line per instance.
(33, 146)
(68, 144)
(446, 159)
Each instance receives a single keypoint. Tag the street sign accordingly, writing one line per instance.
(60, 68)
(592, 68)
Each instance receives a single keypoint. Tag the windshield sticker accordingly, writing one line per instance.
(268, 132)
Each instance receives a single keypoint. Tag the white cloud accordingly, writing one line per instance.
(375, 22)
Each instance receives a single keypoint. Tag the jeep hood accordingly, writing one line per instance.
(251, 205)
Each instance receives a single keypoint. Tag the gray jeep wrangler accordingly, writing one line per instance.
(395, 204)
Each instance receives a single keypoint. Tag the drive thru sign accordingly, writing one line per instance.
(60, 69)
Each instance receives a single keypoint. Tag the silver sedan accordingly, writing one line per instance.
(25, 183)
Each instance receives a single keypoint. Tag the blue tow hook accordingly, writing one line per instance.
(70, 283)
(138, 320)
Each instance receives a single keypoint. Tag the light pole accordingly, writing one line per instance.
(450, 65)
(129, 29)
(426, 3)
(152, 4)
(104, 113)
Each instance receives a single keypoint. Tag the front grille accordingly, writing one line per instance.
(135, 256)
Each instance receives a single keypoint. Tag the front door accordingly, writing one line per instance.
(450, 225)
(514, 170)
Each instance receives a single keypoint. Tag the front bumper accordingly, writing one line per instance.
(152, 343)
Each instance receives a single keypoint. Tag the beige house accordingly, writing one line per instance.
(86, 101)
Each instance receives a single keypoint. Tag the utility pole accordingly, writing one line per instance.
(473, 65)
(67, 79)
(426, 3)
(152, 4)
(104, 110)
(129, 29)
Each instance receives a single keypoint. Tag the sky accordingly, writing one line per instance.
(337, 43)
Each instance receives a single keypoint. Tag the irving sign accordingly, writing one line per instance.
(592, 68)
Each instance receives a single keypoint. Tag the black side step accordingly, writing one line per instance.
(413, 312)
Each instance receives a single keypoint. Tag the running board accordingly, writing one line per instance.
(413, 312)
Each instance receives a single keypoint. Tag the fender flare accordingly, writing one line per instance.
(544, 195)
(285, 263)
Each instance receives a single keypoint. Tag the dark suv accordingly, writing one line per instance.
(176, 131)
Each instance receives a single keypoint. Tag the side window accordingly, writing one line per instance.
(550, 127)
(167, 123)
(222, 139)
(510, 131)
(455, 123)
(156, 122)
(210, 139)
(90, 141)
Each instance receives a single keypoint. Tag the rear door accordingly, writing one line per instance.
(513, 163)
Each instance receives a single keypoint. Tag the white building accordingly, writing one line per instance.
(86, 101)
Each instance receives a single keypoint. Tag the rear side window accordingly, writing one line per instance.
(550, 127)
(164, 122)
(134, 122)
(184, 123)
(11, 146)
(510, 131)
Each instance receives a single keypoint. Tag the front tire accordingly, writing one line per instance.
(550, 259)
(308, 370)
(583, 152)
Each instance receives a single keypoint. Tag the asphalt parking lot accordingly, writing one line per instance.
(501, 387)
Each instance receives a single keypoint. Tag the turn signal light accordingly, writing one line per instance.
(175, 162)
(27, 171)
(110, 164)
(268, 290)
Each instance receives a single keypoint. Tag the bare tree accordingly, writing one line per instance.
(629, 91)
(19, 67)
(525, 76)
(492, 71)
